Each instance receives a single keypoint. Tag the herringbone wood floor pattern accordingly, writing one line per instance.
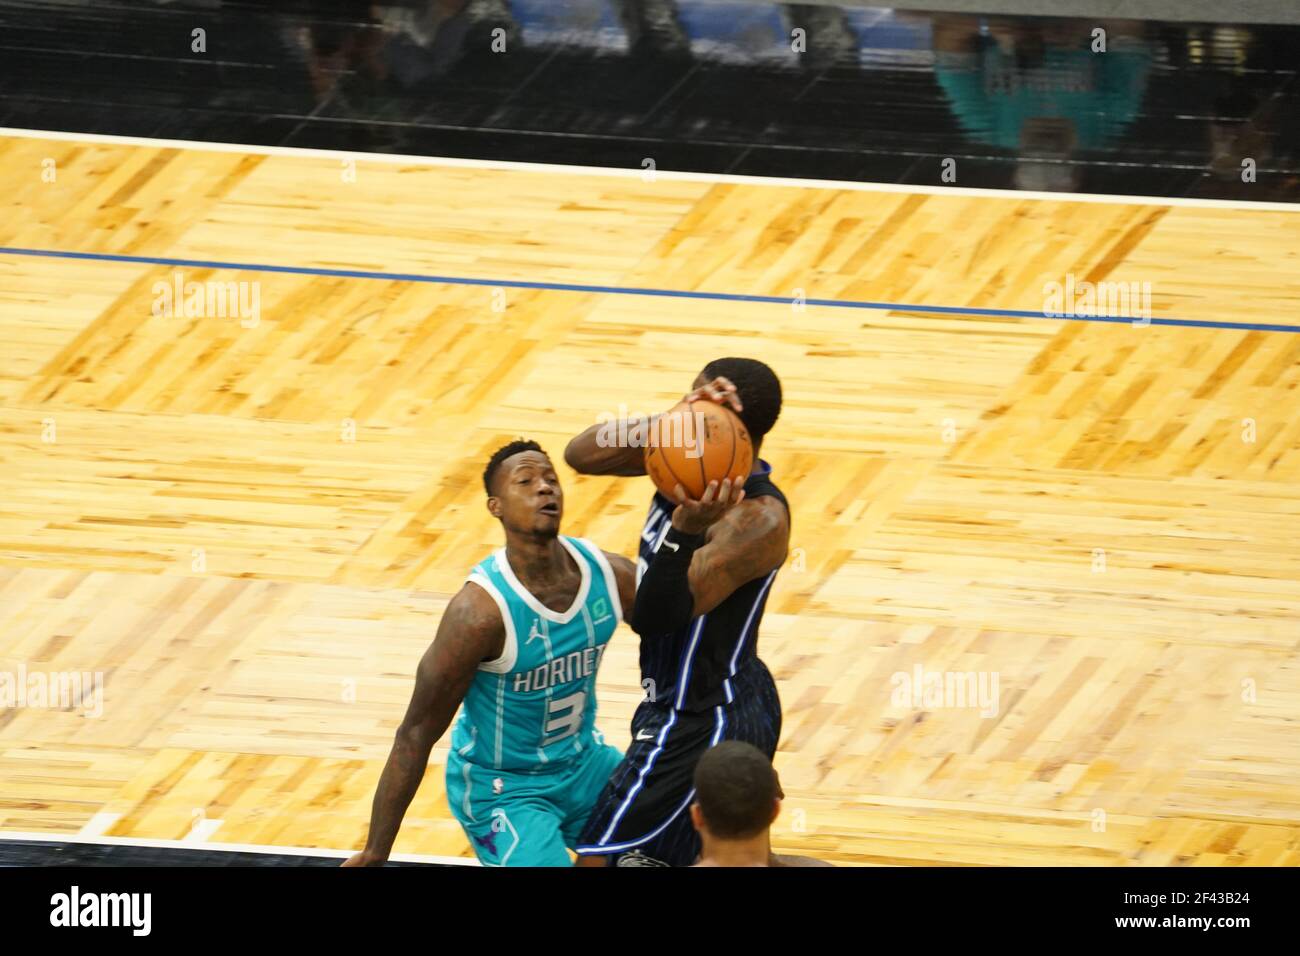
(253, 531)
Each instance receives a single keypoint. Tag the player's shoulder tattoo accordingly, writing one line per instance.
(474, 617)
(758, 523)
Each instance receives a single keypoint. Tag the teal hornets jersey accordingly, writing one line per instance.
(536, 703)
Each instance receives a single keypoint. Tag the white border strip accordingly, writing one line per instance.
(7, 835)
(98, 824)
(637, 174)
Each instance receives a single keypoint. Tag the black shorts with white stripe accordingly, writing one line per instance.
(644, 807)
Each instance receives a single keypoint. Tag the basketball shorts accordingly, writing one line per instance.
(517, 818)
(643, 811)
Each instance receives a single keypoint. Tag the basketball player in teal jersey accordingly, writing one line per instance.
(519, 644)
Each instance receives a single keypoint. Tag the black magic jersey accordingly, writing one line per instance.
(694, 669)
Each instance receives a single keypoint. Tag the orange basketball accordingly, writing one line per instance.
(694, 443)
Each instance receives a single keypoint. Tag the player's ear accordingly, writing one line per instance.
(776, 810)
(494, 506)
(697, 817)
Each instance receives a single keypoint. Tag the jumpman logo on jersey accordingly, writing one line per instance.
(488, 842)
(533, 632)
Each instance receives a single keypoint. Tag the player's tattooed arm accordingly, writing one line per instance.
(625, 576)
(749, 540)
(471, 631)
(715, 545)
(618, 447)
(598, 450)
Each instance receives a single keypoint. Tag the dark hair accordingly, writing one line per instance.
(501, 454)
(735, 787)
(759, 388)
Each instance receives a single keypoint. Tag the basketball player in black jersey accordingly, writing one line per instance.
(704, 574)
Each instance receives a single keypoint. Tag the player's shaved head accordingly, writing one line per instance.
(758, 387)
(736, 789)
(501, 454)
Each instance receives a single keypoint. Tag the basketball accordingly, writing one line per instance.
(694, 443)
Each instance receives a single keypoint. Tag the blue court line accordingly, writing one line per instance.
(632, 290)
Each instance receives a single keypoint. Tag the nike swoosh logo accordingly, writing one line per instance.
(669, 544)
(642, 735)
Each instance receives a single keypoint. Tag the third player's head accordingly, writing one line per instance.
(758, 388)
(737, 794)
(523, 490)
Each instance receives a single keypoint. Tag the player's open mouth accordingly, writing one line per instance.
(551, 509)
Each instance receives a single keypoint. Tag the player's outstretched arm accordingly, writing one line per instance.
(471, 631)
(715, 546)
(597, 450)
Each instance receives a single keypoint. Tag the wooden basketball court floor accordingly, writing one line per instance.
(1103, 515)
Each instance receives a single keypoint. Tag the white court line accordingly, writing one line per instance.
(669, 175)
(187, 844)
(202, 832)
(99, 824)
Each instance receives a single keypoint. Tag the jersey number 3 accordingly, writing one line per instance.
(564, 716)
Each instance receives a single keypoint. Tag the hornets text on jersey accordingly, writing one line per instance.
(536, 703)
